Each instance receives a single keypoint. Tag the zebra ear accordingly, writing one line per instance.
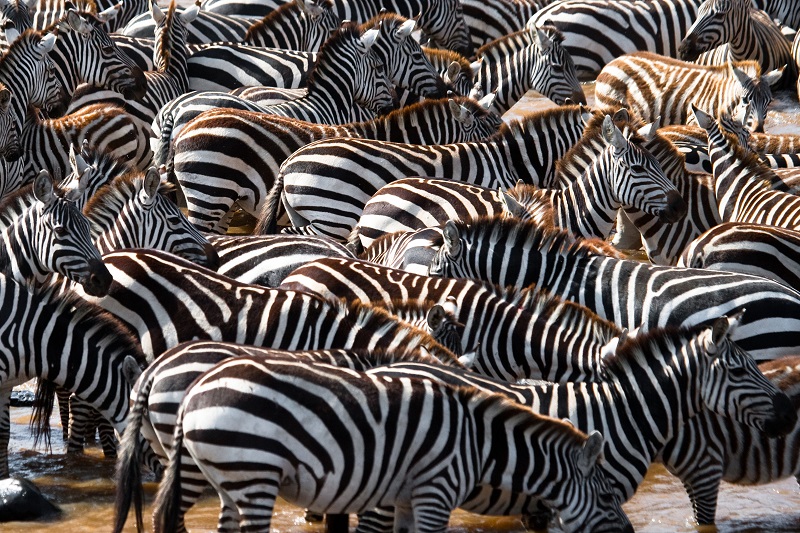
(542, 41)
(465, 117)
(435, 317)
(774, 76)
(190, 13)
(621, 115)
(742, 77)
(590, 452)
(452, 242)
(648, 131)
(475, 67)
(405, 29)
(612, 135)
(488, 101)
(156, 12)
(78, 23)
(46, 44)
(110, 13)
(704, 120)
(151, 182)
(511, 205)
(453, 70)
(43, 188)
(131, 369)
(368, 38)
(723, 327)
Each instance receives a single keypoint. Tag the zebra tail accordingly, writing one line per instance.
(167, 506)
(268, 218)
(164, 153)
(42, 409)
(129, 460)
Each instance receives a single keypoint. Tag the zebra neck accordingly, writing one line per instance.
(505, 69)
(586, 208)
(731, 173)
(63, 58)
(11, 75)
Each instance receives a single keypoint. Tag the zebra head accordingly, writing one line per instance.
(408, 67)
(553, 72)
(133, 212)
(46, 92)
(587, 500)
(734, 386)
(320, 20)
(443, 22)
(372, 87)
(14, 14)
(636, 178)
(63, 239)
(83, 41)
(9, 147)
(475, 119)
(716, 24)
(757, 92)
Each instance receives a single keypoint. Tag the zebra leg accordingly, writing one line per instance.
(63, 395)
(108, 437)
(702, 485)
(378, 520)
(79, 414)
(254, 500)
(228, 516)
(5, 428)
(430, 516)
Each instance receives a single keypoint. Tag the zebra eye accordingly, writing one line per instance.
(737, 371)
(108, 49)
(638, 169)
(60, 231)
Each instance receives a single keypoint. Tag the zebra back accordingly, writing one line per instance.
(207, 27)
(508, 349)
(133, 211)
(243, 8)
(647, 299)
(710, 448)
(298, 25)
(575, 487)
(51, 235)
(488, 20)
(757, 249)
(532, 58)
(749, 33)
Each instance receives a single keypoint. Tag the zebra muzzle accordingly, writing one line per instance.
(135, 86)
(97, 280)
(676, 208)
(785, 417)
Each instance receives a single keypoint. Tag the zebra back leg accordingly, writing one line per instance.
(5, 428)
(108, 437)
(702, 485)
(378, 520)
(62, 395)
(79, 415)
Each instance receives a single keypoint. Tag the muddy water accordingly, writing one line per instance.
(83, 485)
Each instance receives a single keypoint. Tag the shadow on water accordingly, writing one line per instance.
(83, 485)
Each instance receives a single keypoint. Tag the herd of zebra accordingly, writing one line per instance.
(433, 310)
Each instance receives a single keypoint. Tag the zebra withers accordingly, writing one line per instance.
(430, 448)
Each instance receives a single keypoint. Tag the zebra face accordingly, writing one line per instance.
(321, 21)
(734, 386)
(64, 241)
(756, 97)
(637, 180)
(716, 19)
(375, 90)
(553, 72)
(48, 93)
(9, 146)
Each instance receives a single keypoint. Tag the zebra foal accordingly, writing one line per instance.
(434, 440)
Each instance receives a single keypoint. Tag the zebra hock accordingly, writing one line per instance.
(434, 439)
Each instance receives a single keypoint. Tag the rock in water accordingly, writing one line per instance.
(21, 500)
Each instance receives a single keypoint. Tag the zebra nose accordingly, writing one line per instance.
(785, 417)
(212, 257)
(98, 280)
(675, 210)
(688, 49)
(578, 97)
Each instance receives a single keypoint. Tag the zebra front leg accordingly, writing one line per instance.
(5, 428)
(63, 395)
(702, 485)
(79, 414)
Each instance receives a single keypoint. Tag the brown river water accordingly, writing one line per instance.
(83, 486)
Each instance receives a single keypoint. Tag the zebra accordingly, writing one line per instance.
(298, 25)
(643, 367)
(84, 53)
(597, 31)
(114, 15)
(244, 8)
(710, 448)
(532, 58)
(171, 374)
(52, 235)
(785, 11)
(267, 259)
(566, 477)
(488, 20)
(641, 295)
(748, 32)
(415, 203)
(742, 183)
(105, 127)
(654, 86)
(206, 27)
(250, 159)
(510, 335)
(411, 251)
(354, 169)
(85, 350)
(796, 56)
(10, 149)
(16, 14)
(757, 249)
(165, 83)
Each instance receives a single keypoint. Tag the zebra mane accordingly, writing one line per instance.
(378, 247)
(27, 38)
(419, 108)
(286, 10)
(536, 202)
(111, 197)
(380, 322)
(443, 56)
(388, 17)
(348, 32)
(757, 170)
(551, 31)
(646, 346)
(165, 43)
(533, 121)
